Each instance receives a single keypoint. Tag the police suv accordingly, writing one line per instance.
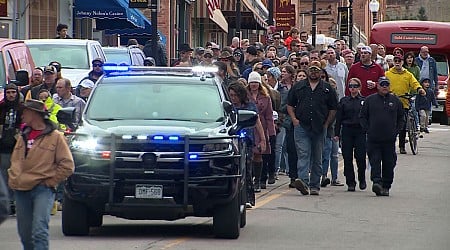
(158, 144)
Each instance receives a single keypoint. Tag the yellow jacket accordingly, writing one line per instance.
(53, 109)
(402, 82)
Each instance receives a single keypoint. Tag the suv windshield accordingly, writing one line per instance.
(168, 100)
(70, 56)
(117, 56)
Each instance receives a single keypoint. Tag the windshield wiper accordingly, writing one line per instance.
(107, 119)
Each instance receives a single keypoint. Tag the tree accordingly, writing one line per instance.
(422, 16)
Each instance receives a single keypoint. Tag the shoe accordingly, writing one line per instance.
(385, 192)
(420, 135)
(426, 130)
(271, 179)
(248, 205)
(351, 188)
(12, 206)
(263, 185)
(314, 191)
(337, 183)
(257, 187)
(362, 185)
(377, 189)
(325, 181)
(59, 206)
(301, 186)
(402, 151)
(291, 185)
(54, 208)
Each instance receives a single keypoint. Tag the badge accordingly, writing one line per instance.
(391, 104)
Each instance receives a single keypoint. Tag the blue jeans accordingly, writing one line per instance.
(280, 150)
(33, 215)
(330, 157)
(309, 152)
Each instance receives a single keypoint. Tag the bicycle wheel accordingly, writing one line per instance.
(412, 135)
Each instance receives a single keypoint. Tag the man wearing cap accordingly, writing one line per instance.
(185, 59)
(367, 71)
(50, 78)
(198, 56)
(216, 50)
(161, 52)
(40, 161)
(349, 57)
(10, 121)
(403, 82)
(86, 89)
(97, 69)
(381, 117)
(312, 105)
(207, 59)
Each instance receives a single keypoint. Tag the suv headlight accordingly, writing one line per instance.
(86, 144)
(216, 147)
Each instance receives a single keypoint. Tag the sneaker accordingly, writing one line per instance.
(377, 189)
(12, 206)
(248, 205)
(385, 192)
(402, 151)
(362, 185)
(257, 187)
(420, 135)
(301, 186)
(54, 208)
(325, 181)
(426, 130)
(271, 179)
(263, 185)
(314, 191)
(337, 183)
(59, 206)
(351, 188)
(291, 185)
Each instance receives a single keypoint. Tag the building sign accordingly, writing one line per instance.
(284, 15)
(343, 21)
(3, 8)
(138, 4)
(413, 38)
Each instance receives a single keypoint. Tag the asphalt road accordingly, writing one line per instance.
(415, 216)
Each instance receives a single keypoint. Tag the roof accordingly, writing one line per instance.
(60, 41)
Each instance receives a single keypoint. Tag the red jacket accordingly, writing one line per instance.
(364, 73)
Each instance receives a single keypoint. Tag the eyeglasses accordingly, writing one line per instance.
(353, 86)
(277, 38)
(207, 56)
(97, 65)
(384, 84)
(397, 60)
(304, 63)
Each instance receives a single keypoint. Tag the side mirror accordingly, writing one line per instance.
(227, 106)
(22, 78)
(67, 116)
(246, 119)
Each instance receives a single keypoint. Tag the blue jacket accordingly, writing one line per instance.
(433, 70)
(424, 102)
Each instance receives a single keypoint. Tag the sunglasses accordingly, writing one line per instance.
(97, 65)
(397, 60)
(384, 84)
(353, 86)
(304, 63)
(277, 38)
(207, 56)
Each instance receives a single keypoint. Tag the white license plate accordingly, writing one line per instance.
(144, 191)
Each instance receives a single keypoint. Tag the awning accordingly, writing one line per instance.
(146, 31)
(105, 10)
(253, 14)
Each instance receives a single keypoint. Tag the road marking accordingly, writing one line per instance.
(176, 242)
(269, 199)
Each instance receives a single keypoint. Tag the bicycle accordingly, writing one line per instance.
(411, 123)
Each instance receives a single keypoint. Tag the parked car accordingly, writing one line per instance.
(75, 55)
(15, 55)
(131, 55)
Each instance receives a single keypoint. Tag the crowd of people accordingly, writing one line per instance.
(314, 103)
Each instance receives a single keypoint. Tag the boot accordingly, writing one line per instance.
(257, 167)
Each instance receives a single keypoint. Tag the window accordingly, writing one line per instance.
(43, 18)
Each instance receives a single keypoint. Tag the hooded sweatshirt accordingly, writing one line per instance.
(10, 120)
(402, 82)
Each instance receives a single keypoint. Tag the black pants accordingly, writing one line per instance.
(268, 167)
(354, 143)
(291, 152)
(402, 132)
(382, 158)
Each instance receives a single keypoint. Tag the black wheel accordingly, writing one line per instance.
(226, 220)
(412, 136)
(74, 218)
(243, 192)
(95, 219)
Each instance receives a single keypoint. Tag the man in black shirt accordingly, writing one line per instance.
(312, 106)
(382, 117)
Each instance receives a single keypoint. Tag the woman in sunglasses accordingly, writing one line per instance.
(353, 138)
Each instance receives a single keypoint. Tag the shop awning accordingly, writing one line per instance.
(146, 31)
(260, 13)
(106, 10)
(211, 9)
(253, 14)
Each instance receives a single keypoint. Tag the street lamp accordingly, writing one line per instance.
(350, 31)
(374, 7)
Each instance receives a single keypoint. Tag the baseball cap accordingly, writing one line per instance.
(56, 64)
(86, 83)
(199, 50)
(398, 57)
(383, 81)
(315, 65)
(50, 69)
(366, 49)
(346, 52)
(267, 63)
(215, 46)
(98, 59)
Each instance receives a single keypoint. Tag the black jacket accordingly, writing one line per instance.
(161, 58)
(10, 121)
(382, 117)
(348, 113)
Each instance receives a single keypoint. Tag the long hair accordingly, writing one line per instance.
(241, 92)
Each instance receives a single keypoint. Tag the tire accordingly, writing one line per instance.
(412, 136)
(74, 218)
(226, 219)
(243, 198)
(95, 219)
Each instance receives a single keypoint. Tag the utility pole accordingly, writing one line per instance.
(153, 6)
(270, 7)
(238, 19)
(314, 22)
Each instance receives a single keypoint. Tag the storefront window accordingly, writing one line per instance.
(43, 18)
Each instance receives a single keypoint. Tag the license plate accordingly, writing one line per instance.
(144, 191)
